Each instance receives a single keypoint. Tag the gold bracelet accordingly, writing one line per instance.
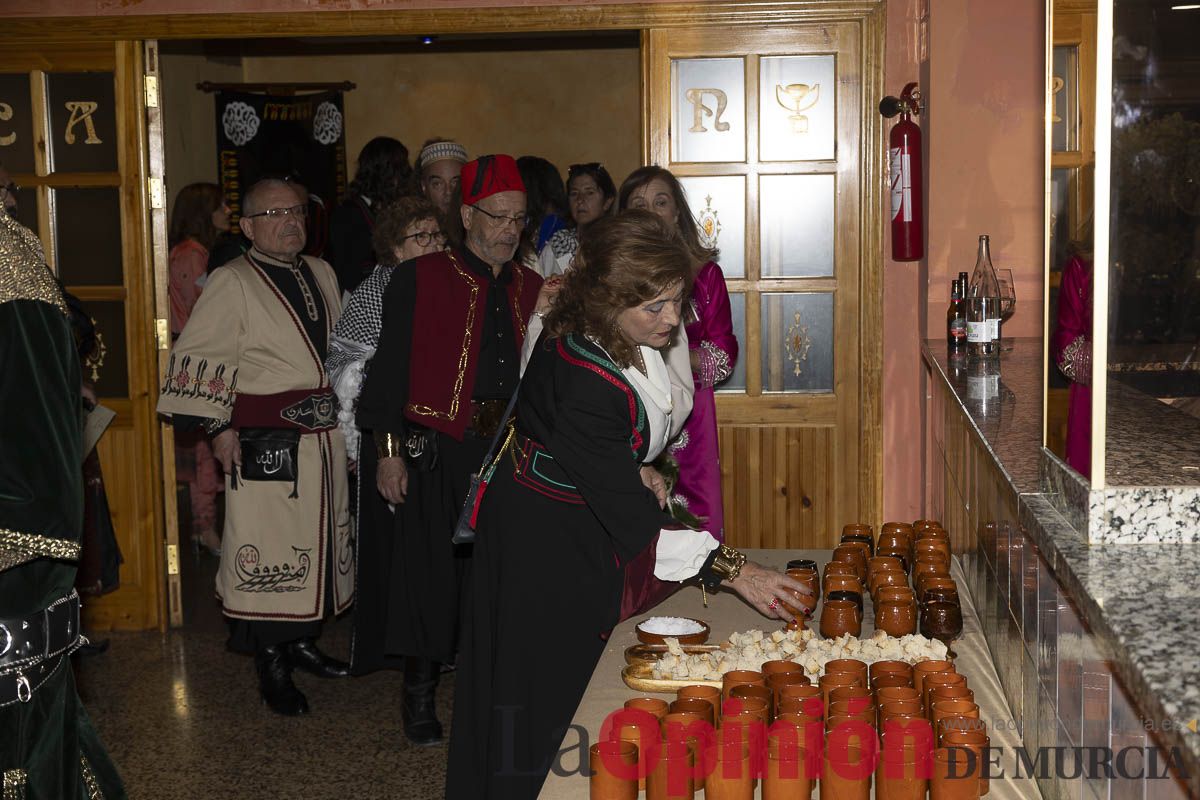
(387, 446)
(728, 563)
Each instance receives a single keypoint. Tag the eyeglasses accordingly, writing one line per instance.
(425, 238)
(279, 213)
(500, 221)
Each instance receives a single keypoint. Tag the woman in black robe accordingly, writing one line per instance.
(567, 518)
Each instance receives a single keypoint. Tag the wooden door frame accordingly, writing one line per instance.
(29, 33)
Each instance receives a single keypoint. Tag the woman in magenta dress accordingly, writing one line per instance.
(1071, 347)
(713, 346)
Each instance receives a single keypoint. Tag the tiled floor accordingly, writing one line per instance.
(182, 718)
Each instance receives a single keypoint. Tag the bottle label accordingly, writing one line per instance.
(983, 387)
(958, 329)
(978, 332)
(993, 328)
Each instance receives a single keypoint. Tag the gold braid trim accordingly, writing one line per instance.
(89, 779)
(463, 358)
(14, 784)
(31, 544)
(23, 271)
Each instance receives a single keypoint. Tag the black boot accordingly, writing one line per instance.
(418, 710)
(303, 653)
(275, 683)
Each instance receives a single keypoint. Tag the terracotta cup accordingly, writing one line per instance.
(787, 775)
(895, 618)
(695, 705)
(891, 576)
(923, 668)
(901, 554)
(902, 770)
(802, 563)
(853, 709)
(954, 691)
(932, 532)
(880, 563)
(846, 774)
(856, 528)
(901, 708)
(880, 668)
(638, 736)
(614, 771)
(936, 681)
(804, 731)
(851, 665)
(839, 568)
(860, 538)
(912, 732)
(779, 667)
(947, 724)
(728, 771)
(855, 554)
(842, 583)
(756, 692)
(654, 705)
(892, 694)
(892, 679)
(709, 694)
(952, 777)
(839, 617)
(836, 680)
(940, 594)
(745, 710)
(740, 677)
(781, 679)
(976, 740)
(932, 545)
(806, 700)
(671, 778)
(862, 696)
(810, 579)
(895, 594)
(893, 540)
(953, 708)
(691, 729)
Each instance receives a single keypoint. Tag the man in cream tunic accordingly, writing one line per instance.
(248, 368)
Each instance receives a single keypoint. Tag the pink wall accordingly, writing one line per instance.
(982, 74)
(119, 8)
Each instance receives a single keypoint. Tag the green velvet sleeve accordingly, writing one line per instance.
(41, 493)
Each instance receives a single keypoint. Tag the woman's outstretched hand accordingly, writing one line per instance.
(767, 590)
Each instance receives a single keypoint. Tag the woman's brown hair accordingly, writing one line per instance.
(622, 261)
(191, 218)
(688, 229)
(392, 226)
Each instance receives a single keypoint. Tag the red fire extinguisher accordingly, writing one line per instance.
(904, 156)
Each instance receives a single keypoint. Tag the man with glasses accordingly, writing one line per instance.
(446, 365)
(249, 368)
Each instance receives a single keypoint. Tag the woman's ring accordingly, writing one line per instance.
(774, 604)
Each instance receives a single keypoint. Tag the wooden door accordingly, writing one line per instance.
(767, 130)
(72, 137)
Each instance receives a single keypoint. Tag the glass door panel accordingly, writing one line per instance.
(708, 110)
(797, 342)
(719, 205)
(83, 122)
(796, 113)
(796, 215)
(16, 124)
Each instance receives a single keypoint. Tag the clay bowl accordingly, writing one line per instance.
(646, 637)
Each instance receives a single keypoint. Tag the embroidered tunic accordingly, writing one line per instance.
(252, 334)
(710, 334)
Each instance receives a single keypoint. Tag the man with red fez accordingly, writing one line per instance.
(447, 362)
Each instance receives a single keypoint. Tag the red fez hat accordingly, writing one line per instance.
(488, 175)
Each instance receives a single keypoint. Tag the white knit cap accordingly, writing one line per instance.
(440, 151)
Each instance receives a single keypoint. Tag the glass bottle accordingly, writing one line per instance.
(956, 316)
(983, 307)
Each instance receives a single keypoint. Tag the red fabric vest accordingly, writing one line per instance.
(447, 326)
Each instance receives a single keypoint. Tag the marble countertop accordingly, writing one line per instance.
(1008, 413)
(1141, 604)
(1147, 442)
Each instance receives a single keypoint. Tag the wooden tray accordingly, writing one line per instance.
(639, 677)
(649, 653)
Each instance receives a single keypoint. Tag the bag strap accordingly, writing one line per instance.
(500, 431)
